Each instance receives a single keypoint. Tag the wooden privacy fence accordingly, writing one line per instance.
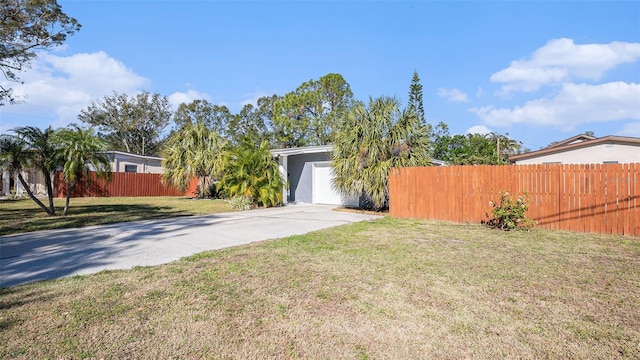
(582, 198)
(122, 184)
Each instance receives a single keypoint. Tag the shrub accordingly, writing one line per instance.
(252, 173)
(510, 214)
(240, 202)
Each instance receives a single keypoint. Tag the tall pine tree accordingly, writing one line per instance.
(416, 107)
(415, 98)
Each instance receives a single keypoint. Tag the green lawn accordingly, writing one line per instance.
(18, 216)
(392, 289)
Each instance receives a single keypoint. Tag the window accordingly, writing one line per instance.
(610, 162)
(131, 168)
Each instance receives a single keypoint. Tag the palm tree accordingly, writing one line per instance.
(253, 173)
(373, 139)
(43, 154)
(82, 152)
(193, 151)
(14, 157)
(509, 147)
(504, 146)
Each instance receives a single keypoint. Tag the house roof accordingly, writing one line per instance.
(302, 150)
(116, 152)
(576, 142)
(323, 149)
(572, 140)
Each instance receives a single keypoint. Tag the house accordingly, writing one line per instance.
(585, 149)
(309, 175)
(120, 162)
(132, 163)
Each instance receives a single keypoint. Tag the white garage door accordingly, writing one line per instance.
(323, 192)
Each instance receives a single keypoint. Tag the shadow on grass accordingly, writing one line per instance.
(27, 220)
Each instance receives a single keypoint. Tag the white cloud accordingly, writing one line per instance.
(479, 129)
(453, 95)
(630, 129)
(252, 98)
(561, 60)
(574, 104)
(178, 98)
(61, 86)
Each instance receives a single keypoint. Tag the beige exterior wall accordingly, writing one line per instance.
(34, 179)
(143, 164)
(596, 154)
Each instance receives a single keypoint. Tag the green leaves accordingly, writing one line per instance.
(214, 117)
(131, 124)
(82, 151)
(26, 25)
(252, 173)
(193, 151)
(310, 114)
(475, 149)
(77, 150)
(510, 214)
(373, 139)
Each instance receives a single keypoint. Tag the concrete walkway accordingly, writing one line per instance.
(58, 253)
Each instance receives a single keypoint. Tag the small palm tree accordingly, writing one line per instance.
(14, 157)
(193, 151)
(373, 139)
(41, 153)
(82, 152)
(252, 173)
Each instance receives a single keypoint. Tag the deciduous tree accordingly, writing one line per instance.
(254, 123)
(310, 114)
(132, 124)
(27, 26)
(214, 117)
(474, 149)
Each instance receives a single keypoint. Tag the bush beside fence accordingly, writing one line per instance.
(583, 198)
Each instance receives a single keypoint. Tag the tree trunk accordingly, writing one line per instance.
(48, 182)
(26, 187)
(70, 188)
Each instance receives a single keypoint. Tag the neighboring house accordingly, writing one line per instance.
(309, 175)
(120, 162)
(126, 162)
(585, 149)
(33, 178)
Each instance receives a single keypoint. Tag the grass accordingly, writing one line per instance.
(18, 216)
(388, 289)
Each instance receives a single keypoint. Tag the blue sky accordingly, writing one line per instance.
(540, 71)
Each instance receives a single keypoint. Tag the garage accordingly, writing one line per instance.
(309, 176)
(323, 191)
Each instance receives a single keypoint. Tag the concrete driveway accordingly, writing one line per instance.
(58, 253)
